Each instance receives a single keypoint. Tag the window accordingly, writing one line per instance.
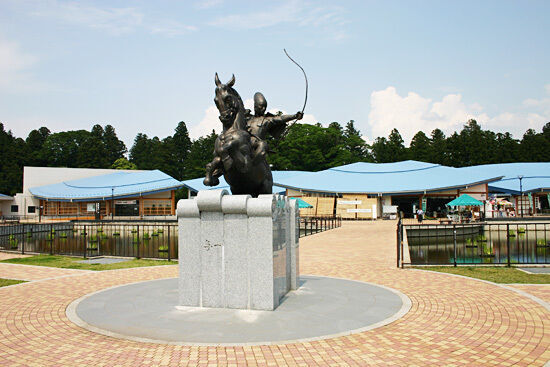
(31, 209)
(14, 208)
(157, 207)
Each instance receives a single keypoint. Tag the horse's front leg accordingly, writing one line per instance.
(213, 171)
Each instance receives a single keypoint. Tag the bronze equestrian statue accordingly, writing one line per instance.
(240, 150)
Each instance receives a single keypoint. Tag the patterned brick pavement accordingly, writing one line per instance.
(541, 291)
(11, 255)
(453, 321)
(31, 272)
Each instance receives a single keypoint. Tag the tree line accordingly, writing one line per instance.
(304, 147)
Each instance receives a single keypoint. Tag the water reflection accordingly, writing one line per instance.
(481, 244)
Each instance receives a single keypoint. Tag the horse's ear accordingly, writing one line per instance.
(217, 80)
(232, 81)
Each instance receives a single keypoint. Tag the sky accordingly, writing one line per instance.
(143, 66)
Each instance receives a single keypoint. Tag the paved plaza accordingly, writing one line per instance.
(453, 321)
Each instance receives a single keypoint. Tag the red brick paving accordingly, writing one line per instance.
(453, 321)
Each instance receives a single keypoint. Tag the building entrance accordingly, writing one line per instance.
(126, 208)
(406, 204)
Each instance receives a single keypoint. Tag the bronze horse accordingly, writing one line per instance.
(233, 148)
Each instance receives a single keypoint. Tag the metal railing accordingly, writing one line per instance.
(477, 243)
(147, 239)
(312, 225)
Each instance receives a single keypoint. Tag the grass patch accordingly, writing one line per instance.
(5, 282)
(72, 263)
(493, 274)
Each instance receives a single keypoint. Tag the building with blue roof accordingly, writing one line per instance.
(95, 193)
(369, 190)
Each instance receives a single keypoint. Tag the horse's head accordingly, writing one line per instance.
(228, 101)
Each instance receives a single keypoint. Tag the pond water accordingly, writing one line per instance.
(484, 244)
(149, 241)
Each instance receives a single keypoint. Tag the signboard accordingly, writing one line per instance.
(126, 202)
(90, 207)
(349, 202)
(424, 204)
(359, 210)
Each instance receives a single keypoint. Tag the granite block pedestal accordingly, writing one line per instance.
(236, 251)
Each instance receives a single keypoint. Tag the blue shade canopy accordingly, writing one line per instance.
(301, 203)
(465, 200)
(116, 185)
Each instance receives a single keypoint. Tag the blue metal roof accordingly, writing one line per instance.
(535, 176)
(395, 167)
(387, 178)
(197, 185)
(118, 185)
(5, 197)
(407, 177)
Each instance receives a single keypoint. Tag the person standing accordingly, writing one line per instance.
(420, 215)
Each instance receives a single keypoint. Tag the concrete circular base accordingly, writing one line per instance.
(321, 308)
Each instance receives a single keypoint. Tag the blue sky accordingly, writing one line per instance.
(142, 66)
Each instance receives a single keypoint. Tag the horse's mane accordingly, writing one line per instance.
(242, 110)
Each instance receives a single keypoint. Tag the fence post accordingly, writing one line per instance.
(398, 242)
(454, 244)
(137, 257)
(23, 242)
(169, 247)
(98, 235)
(52, 238)
(85, 240)
(508, 242)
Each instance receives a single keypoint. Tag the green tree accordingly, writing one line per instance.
(92, 152)
(309, 148)
(182, 146)
(354, 144)
(438, 147)
(35, 141)
(201, 153)
(140, 153)
(12, 158)
(534, 147)
(507, 148)
(114, 146)
(123, 163)
(63, 149)
(391, 149)
(420, 148)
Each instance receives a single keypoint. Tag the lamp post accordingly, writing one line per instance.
(520, 177)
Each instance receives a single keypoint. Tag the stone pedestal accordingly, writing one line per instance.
(236, 251)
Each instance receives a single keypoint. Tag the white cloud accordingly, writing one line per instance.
(413, 113)
(112, 20)
(14, 66)
(211, 121)
(171, 28)
(208, 4)
(331, 19)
